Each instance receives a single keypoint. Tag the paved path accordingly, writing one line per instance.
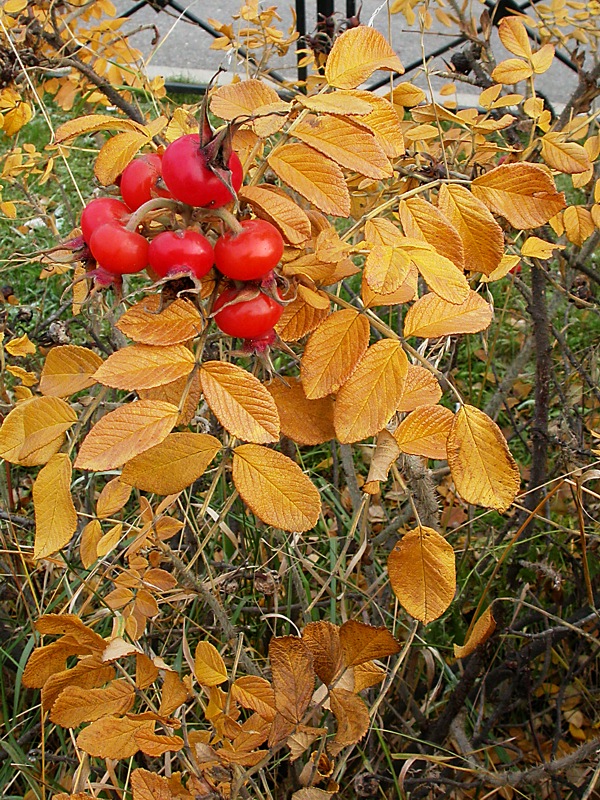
(184, 49)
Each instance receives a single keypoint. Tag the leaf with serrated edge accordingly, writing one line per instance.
(179, 322)
(275, 488)
(522, 193)
(343, 103)
(113, 737)
(299, 319)
(350, 145)
(115, 154)
(323, 640)
(241, 99)
(55, 515)
(403, 294)
(256, 694)
(113, 497)
(89, 673)
(420, 388)
(174, 694)
(482, 630)
(362, 643)
(75, 705)
(425, 431)
(356, 55)
(431, 316)
(142, 366)
(383, 121)
(422, 573)
(302, 420)
(482, 467)
(209, 667)
(68, 369)
(88, 546)
(45, 421)
(422, 220)
(352, 716)
(156, 745)
(125, 433)
(316, 177)
(183, 393)
(441, 275)
(386, 268)
(293, 676)
(333, 351)
(369, 398)
(568, 157)
(150, 786)
(240, 402)
(70, 625)
(173, 465)
(579, 224)
(92, 123)
(482, 237)
(278, 209)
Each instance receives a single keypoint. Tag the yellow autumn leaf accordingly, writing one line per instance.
(332, 352)
(68, 369)
(143, 366)
(482, 630)
(90, 124)
(172, 465)
(178, 322)
(75, 705)
(275, 488)
(383, 121)
(514, 37)
(579, 224)
(109, 540)
(241, 99)
(256, 694)
(125, 433)
(342, 103)
(183, 393)
(512, 70)
(209, 667)
(346, 143)
(302, 420)
(407, 94)
(88, 544)
(568, 157)
(369, 398)
(113, 497)
(482, 237)
(441, 275)
(115, 155)
(44, 421)
(420, 388)
(386, 268)
(276, 207)
(316, 177)
(55, 515)
(240, 402)
(299, 319)
(423, 574)
(113, 737)
(20, 346)
(424, 432)
(356, 55)
(430, 316)
(422, 220)
(534, 247)
(482, 467)
(403, 294)
(523, 193)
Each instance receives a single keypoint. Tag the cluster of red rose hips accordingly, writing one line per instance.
(189, 173)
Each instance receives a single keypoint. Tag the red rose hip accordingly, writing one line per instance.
(251, 253)
(173, 252)
(246, 319)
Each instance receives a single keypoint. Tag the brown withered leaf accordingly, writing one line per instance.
(150, 786)
(305, 421)
(522, 193)
(323, 640)
(55, 514)
(482, 630)
(366, 675)
(68, 369)
(143, 366)
(50, 659)
(174, 694)
(356, 55)
(75, 705)
(369, 398)
(346, 143)
(256, 694)
(89, 673)
(299, 319)
(333, 351)
(312, 793)
(316, 177)
(362, 643)
(70, 625)
(183, 393)
(113, 737)
(482, 467)
(293, 676)
(113, 497)
(420, 388)
(173, 465)
(209, 667)
(275, 488)
(425, 431)
(352, 716)
(482, 237)
(179, 322)
(386, 268)
(422, 220)
(276, 207)
(154, 744)
(125, 433)
(240, 402)
(422, 573)
(385, 453)
(430, 316)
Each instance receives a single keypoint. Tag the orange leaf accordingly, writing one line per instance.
(305, 421)
(420, 388)
(293, 676)
(55, 515)
(352, 716)
(356, 54)
(277, 208)
(75, 705)
(113, 737)
(482, 630)
(68, 369)
(362, 643)
(431, 316)
(323, 640)
(142, 366)
(425, 431)
(422, 220)
(179, 322)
